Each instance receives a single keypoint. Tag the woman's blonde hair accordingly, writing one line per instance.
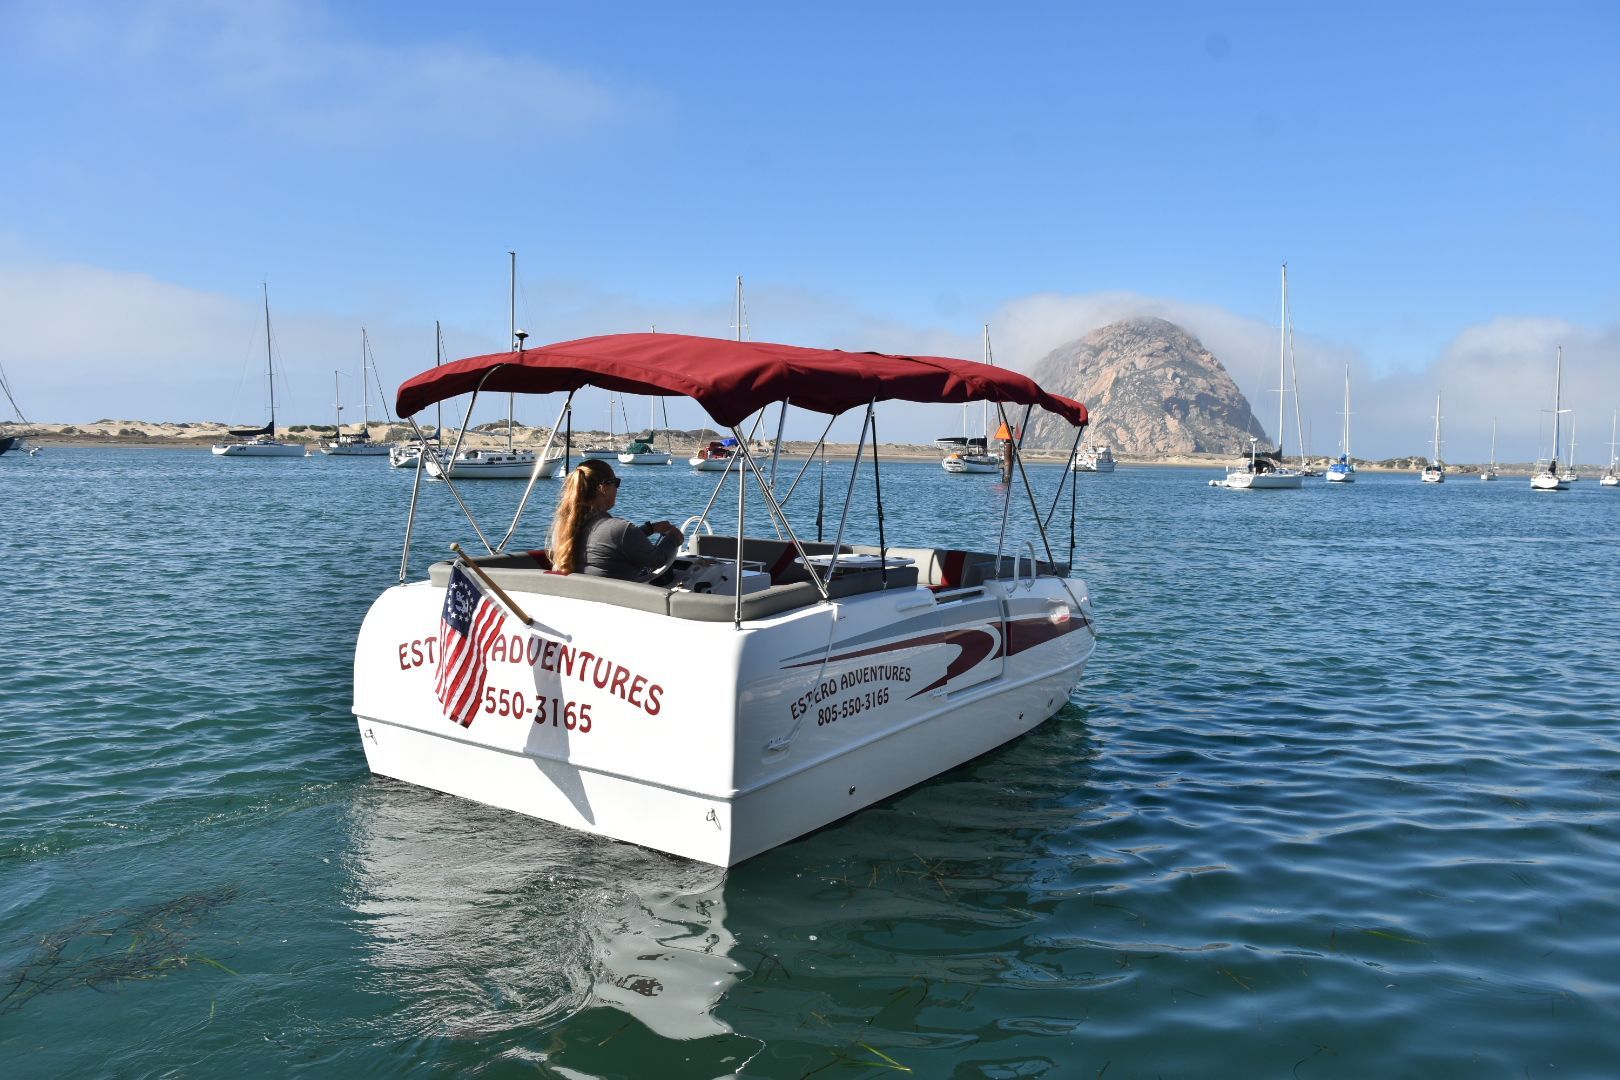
(574, 509)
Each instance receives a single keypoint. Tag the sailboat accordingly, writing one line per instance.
(1490, 471)
(355, 444)
(640, 450)
(512, 463)
(1547, 478)
(1435, 471)
(12, 440)
(262, 442)
(1611, 475)
(404, 455)
(1569, 475)
(975, 455)
(1343, 471)
(716, 454)
(1268, 471)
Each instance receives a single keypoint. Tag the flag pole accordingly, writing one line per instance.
(500, 594)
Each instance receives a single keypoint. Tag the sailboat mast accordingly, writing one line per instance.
(1558, 405)
(1347, 412)
(365, 394)
(984, 407)
(269, 365)
(438, 358)
(1437, 427)
(511, 336)
(1282, 359)
(337, 404)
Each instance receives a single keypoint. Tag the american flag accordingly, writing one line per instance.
(466, 630)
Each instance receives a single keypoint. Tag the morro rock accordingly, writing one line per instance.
(1151, 388)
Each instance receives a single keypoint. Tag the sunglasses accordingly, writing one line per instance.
(612, 481)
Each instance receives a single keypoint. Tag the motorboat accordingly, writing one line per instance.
(261, 442)
(763, 685)
(715, 457)
(404, 455)
(1548, 477)
(1099, 459)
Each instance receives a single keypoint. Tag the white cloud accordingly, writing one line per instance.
(288, 67)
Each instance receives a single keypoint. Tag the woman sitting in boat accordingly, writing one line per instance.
(587, 539)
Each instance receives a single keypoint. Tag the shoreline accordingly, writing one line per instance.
(140, 435)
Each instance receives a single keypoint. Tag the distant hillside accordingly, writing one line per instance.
(1151, 388)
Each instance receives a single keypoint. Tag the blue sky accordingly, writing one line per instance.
(1440, 178)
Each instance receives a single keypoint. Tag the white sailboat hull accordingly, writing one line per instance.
(260, 450)
(1610, 480)
(708, 464)
(1266, 481)
(646, 459)
(1433, 476)
(1547, 482)
(493, 466)
(1338, 477)
(356, 450)
(973, 464)
(709, 741)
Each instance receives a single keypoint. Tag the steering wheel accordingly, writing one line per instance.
(685, 547)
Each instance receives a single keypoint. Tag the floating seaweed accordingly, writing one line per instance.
(111, 947)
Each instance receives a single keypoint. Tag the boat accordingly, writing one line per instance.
(1547, 476)
(640, 450)
(1490, 471)
(1098, 459)
(1343, 469)
(13, 440)
(355, 443)
(261, 442)
(715, 457)
(974, 455)
(770, 684)
(1435, 471)
(1611, 475)
(509, 464)
(1569, 475)
(1269, 471)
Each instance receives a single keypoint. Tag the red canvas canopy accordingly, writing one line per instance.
(731, 379)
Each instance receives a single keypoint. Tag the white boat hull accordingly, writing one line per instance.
(707, 464)
(974, 464)
(713, 742)
(1266, 481)
(493, 466)
(1434, 476)
(260, 450)
(1547, 482)
(1340, 477)
(646, 459)
(1610, 480)
(356, 450)
(1489, 474)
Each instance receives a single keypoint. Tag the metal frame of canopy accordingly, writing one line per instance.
(731, 380)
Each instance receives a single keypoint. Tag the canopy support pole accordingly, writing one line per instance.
(534, 475)
(742, 529)
(877, 481)
(814, 451)
(849, 494)
(776, 449)
(448, 465)
(1018, 457)
(410, 518)
(781, 515)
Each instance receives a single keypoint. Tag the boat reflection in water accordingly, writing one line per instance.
(505, 930)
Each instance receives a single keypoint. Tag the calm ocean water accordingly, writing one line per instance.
(1339, 797)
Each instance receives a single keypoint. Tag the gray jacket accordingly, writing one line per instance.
(612, 547)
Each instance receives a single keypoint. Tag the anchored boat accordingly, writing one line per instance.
(764, 685)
